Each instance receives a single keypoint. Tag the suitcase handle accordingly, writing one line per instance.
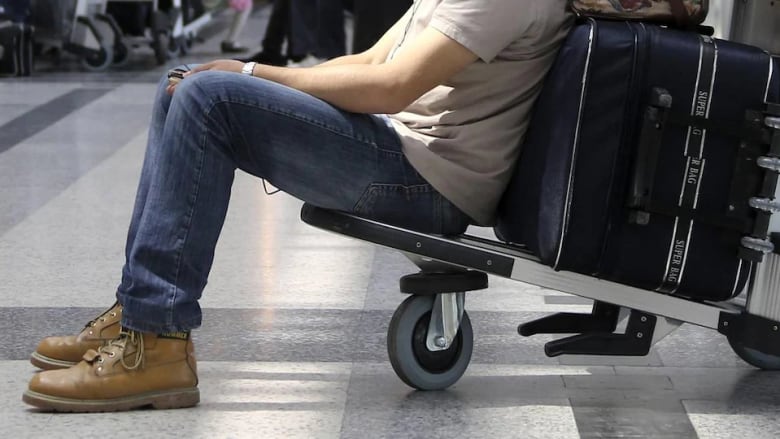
(655, 119)
(657, 116)
(760, 148)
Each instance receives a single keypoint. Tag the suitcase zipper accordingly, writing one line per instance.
(769, 77)
(572, 167)
(629, 134)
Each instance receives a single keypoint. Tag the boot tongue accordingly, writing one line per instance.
(90, 356)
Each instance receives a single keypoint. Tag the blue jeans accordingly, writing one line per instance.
(217, 122)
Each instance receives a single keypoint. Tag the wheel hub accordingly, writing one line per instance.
(434, 362)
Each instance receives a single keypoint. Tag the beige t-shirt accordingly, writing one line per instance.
(464, 136)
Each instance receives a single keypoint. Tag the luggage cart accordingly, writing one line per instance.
(186, 25)
(79, 27)
(83, 28)
(171, 29)
(430, 338)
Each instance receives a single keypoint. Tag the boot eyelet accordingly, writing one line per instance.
(100, 360)
(113, 314)
(100, 369)
(112, 354)
(90, 332)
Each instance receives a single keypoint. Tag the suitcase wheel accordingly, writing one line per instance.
(121, 54)
(753, 357)
(412, 361)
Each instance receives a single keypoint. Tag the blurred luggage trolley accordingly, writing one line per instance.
(102, 32)
(169, 26)
(647, 182)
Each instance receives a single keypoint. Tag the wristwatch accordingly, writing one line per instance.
(248, 68)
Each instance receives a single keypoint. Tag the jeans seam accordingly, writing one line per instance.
(375, 190)
(367, 196)
(188, 219)
(313, 123)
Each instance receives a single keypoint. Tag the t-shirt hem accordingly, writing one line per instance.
(421, 159)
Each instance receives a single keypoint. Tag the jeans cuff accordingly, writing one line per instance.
(156, 328)
(153, 318)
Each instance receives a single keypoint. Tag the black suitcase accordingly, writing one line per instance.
(612, 183)
(16, 49)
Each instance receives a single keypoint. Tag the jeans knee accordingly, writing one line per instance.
(201, 87)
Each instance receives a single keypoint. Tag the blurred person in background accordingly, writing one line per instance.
(276, 33)
(373, 18)
(242, 8)
(317, 30)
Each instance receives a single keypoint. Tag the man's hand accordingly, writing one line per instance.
(225, 65)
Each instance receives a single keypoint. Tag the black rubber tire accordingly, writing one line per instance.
(174, 48)
(185, 44)
(99, 61)
(160, 45)
(121, 54)
(414, 364)
(755, 358)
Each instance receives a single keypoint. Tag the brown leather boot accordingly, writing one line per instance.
(134, 370)
(62, 352)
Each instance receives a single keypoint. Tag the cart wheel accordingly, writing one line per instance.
(184, 45)
(754, 357)
(412, 361)
(99, 60)
(160, 45)
(174, 47)
(121, 54)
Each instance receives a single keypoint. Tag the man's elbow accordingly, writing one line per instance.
(393, 106)
(397, 98)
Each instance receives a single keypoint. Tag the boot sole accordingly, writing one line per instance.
(172, 399)
(48, 363)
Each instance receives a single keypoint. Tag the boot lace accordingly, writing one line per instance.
(120, 343)
(102, 317)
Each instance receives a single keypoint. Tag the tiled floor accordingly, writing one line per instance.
(293, 342)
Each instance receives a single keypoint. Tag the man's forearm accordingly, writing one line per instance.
(359, 88)
(358, 58)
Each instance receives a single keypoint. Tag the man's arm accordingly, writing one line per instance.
(387, 88)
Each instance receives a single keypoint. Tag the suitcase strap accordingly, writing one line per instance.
(752, 130)
(720, 221)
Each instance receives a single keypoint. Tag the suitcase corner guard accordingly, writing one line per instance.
(751, 331)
